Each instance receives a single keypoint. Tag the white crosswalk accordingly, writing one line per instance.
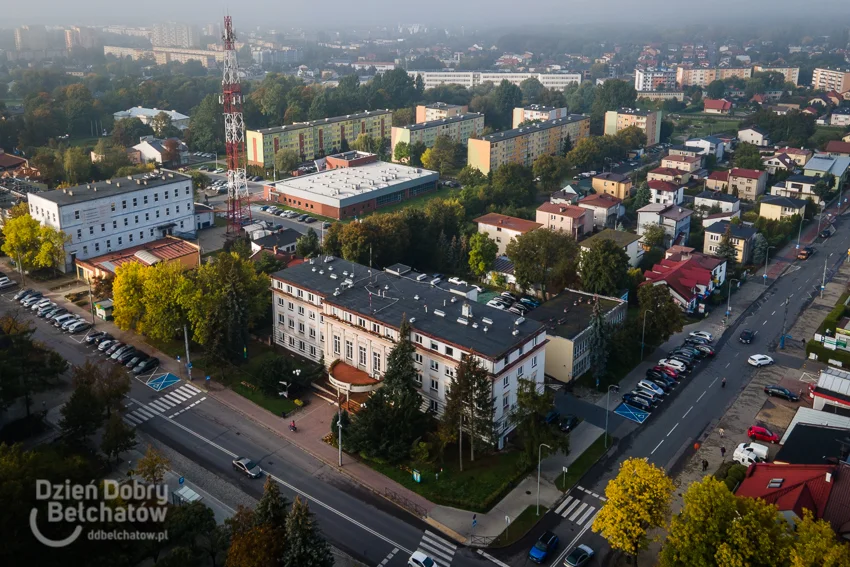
(170, 405)
(578, 511)
(437, 548)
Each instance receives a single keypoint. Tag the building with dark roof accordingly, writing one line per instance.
(350, 315)
(280, 241)
(10, 163)
(810, 444)
(741, 238)
(628, 241)
(775, 207)
(438, 111)
(459, 128)
(567, 322)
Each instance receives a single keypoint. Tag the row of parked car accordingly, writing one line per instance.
(121, 353)
(6, 282)
(666, 375)
(287, 214)
(47, 309)
(507, 301)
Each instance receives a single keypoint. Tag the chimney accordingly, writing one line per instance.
(274, 248)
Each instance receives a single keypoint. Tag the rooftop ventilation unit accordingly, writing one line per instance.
(519, 321)
(515, 332)
(416, 298)
(486, 328)
(462, 321)
(412, 320)
(487, 320)
(475, 325)
(334, 276)
(439, 313)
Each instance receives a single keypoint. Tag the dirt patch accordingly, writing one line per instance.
(776, 416)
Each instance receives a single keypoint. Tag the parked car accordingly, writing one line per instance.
(652, 387)
(567, 423)
(780, 392)
(671, 372)
(122, 350)
(137, 358)
(46, 314)
(104, 338)
(746, 336)
(57, 321)
(708, 350)
(639, 402)
(112, 348)
(57, 313)
(648, 397)
(702, 335)
(759, 433)
(579, 557)
(67, 324)
(247, 467)
(653, 374)
(826, 233)
(688, 362)
(125, 356)
(6, 283)
(30, 299)
(693, 341)
(22, 294)
(676, 365)
(40, 303)
(79, 327)
(106, 344)
(543, 547)
(145, 365)
(96, 335)
(309, 220)
(664, 379)
(302, 218)
(759, 360)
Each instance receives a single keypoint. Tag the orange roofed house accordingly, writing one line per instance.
(716, 106)
(687, 281)
(168, 249)
(576, 221)
(503, 228)
(743, 183)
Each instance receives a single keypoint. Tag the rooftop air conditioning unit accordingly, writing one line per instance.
(487, 320)
(439, 313)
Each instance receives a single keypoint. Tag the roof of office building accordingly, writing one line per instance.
(442, 121)
(111, 187)
(546, 124)
(568, 314)
(311, 123)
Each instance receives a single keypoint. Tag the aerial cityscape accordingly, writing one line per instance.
(382, 288)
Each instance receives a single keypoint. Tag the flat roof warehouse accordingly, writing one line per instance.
(350, 185)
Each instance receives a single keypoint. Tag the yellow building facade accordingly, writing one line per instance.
(459, 129)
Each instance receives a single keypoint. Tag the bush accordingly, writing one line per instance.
(832, 320)
(737, 472)
(730, 483)
(825, 354)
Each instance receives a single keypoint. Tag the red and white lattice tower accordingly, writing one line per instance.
(238, 204)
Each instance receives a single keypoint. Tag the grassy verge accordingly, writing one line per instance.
(419, 201)
(477, 488)
(581, 465)
(275, 405)
(519, 526)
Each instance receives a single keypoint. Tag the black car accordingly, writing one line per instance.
(663, 378)
(746, 336)
(695, 341)
(22, 294)
(826, 233)
(780, 392)
(104, 337)
(661, 383)
(125, 356)
(639, 402)
(94, 336)
(138, 358)
(709, 351)
(146, 365)
(567, 423)
(653, 374)
(684, 358)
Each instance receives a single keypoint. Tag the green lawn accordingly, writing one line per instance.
(477, 488)
(274, 405)
(419, 201)
(581, 465)
(519, 526)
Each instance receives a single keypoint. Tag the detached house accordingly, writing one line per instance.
(666, 193)
(575, 221)
(686, 280)
(744, 183)
(742, 239)
(628, 241)
(822, 164)
(778, 162)
(688, 164)
(668, 174)
(716, 106)
(614, 184)
(675, 220)
(707, 200)
(797, 187)
(840, 117)
(838, 148)
(708, 145)
(754, 135)
(776, 208)
(606, 209)
(503, 228)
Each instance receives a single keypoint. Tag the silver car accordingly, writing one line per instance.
(247, 467)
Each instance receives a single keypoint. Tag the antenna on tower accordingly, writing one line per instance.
(238, 204)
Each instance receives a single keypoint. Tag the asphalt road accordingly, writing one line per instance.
(699, 401)
(212, 435)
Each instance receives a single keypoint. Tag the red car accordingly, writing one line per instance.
(758, 433)
(668, 371)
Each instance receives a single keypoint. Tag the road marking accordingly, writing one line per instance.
(737, 353)
(389, 556)
(687, 412)
(180, 397)
(671, 430)
(133, 419)
(298, 491)
(571, 508)
(727, 364)
(774, 313)
(436, 546)
(144, 411)
(657, 446)
(700, 396)
(763, 324)
(563, 504)
(489, 557)
(159, 405)
(577, 512)
(584, 517)
(192, 388)
(446, 545)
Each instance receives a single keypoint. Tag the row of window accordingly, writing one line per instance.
(135, 200)
(120, 240)
(127, 221)
(362, 354)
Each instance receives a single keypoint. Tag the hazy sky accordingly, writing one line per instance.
(484, 13)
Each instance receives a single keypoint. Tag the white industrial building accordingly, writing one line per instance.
(146, 115)
(470, 79)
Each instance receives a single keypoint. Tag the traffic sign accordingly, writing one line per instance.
(474, 520)
(181, 480)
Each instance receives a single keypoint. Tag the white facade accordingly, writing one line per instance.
(753, 136)
(667, 197)
(840, 117)
(146, 115)
(128, 214)
(708, 146)
(649, 79)
(471, 79)
(725, 205)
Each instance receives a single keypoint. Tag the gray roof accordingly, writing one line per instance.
(783, 201)
(717, 196)
(610, 176)
(546, 124)
(620, 237)
(441, 121)
(568, 314)
(281, 238)
(710, 139)
(738, 230)
(432, 310)
(110, 188)
(312, 123)
(812, 179)
(442, 105)
(756, 129)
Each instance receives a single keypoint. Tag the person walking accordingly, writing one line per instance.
(704, 465)
(723, 452)
(721, 432)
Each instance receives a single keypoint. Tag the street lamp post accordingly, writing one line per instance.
(800, 230)
(823, 281)
(766, 260)
(729, 296)
(616, 388)
(643, 334)
(539, 449)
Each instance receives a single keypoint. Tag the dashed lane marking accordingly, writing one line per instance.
(489, 557)
(389, 556)
(657, 446)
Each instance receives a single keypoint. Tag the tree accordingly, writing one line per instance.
(77, 166)
(533, 402)
(760, 247)
(188, 523)
(253, 544)
(127, 295)
(200, 180)
(215, 543)
(366, 143)
(666, 317)
(308, 246)
(816, 545)
(305, 546)
(285, 161)
(631, 138)
(531, 89)
(170, 152)
(416, 151)
(550, 170)
(586, 154)
(757, 536)
(469, 401)
(153, 466)
(642, 196)
(544, 258)
(109, 385)
(441, 156)
(482, 253)
(161, 123)
(271, 509)
(82, 415)
(110, 157)
(716, 89)
(127, 131)
(206, 126)
(401, 152)
(612, 95)
(824, 186)
(117, 437)
(512, 184)
(470, 176)
(654, 235)
(726, 249)
(161, 294)
(747, 156)
(599, 342)
(506, 97)
(21, 241)
(51, 250)
(638, 501)
(603, 267)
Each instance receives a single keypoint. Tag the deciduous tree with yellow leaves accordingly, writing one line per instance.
(638, 501)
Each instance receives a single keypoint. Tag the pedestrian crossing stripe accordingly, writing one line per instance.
(577, 512)
(435, 546)
(581, 520)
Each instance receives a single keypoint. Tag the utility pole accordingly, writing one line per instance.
(784, 319)
(643, 334)
(766, 260)
(339, 423)
(188, 361)
(823, 281)
(91, 303)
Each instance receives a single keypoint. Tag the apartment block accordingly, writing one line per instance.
(652, 79)
(119, 213)
(647, 120)
(825, 79)
(502, 229)
(82, 37)
(537, 112)
(171, 34)
(459, 128)
(316, 138)
(438, 111)
(350, 316)
(470, 79)
(526, 144)
(702, 77)
(30, 38)
(791, 74)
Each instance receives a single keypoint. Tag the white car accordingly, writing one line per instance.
(674, 364)
(759, 360)
(702, 335)
(419, 559)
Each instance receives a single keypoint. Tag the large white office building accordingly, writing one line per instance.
(350, 316)
(111, 215)
(470, 79)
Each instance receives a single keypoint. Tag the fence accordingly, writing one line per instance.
(481, 541)
(405, 503)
